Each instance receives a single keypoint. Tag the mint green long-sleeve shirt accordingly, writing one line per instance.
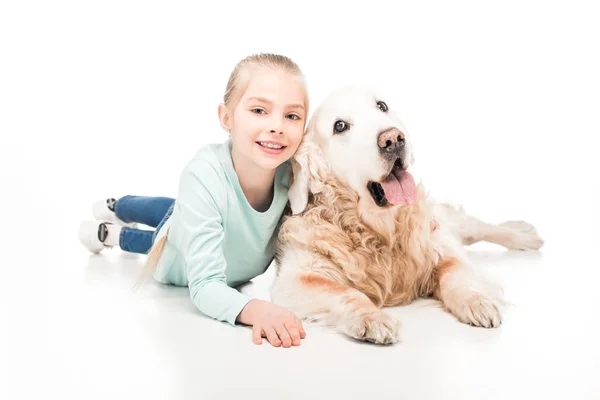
(216, 240)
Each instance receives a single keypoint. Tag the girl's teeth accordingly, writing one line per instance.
(271, 146)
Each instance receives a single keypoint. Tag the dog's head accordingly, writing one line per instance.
(356, 137)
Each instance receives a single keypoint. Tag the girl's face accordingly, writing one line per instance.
(268, 122)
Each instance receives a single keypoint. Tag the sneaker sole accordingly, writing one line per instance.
(88, 236)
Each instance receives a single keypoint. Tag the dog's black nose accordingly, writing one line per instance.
(391, 140)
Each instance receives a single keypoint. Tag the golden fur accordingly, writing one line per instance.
(390, 267)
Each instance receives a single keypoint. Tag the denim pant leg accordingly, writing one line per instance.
(141, 241)
(143, 209)
(135, 240)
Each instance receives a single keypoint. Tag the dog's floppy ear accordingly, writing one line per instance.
(298, 193)
(305, 172)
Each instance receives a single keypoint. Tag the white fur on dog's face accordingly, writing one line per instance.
(352, 156)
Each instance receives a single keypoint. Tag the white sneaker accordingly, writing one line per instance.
(93, 234)
(103, 210)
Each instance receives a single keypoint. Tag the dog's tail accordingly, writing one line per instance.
(152, 261)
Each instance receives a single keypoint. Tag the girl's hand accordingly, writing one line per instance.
(278, 325)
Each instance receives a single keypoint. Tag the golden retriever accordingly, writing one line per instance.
(363, 235)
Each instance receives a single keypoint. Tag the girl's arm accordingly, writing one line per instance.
(198, 233)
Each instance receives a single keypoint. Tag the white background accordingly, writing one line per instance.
(103, 99)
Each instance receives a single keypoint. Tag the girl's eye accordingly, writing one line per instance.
(258, 110)
(294, 117)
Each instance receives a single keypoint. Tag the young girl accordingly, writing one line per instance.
(219, 231)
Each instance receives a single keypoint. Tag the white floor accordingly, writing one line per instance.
(78, 330)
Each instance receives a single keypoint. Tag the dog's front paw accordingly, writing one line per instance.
(477, 309)
(524, 236)
(372, 326)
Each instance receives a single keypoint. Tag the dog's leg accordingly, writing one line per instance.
(314, 297)
(516, 235)
(467, 296)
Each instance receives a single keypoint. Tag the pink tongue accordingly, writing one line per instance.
(400, 188)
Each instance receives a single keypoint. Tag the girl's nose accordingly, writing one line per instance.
(277, 125)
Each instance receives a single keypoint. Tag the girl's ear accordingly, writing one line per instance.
(224, 118)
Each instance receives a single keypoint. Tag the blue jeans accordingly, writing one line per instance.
(151, 211)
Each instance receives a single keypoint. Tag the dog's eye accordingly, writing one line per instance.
(382, 106)
(340, 126)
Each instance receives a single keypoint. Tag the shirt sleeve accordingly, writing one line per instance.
(200, 239)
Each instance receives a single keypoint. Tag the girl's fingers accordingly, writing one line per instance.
(256, 334)
(300, 328)
(283, 335)
(294, 333)
(272, 336)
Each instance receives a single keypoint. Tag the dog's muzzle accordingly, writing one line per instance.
(397, 187)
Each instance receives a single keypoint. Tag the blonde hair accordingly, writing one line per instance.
(239, 77)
